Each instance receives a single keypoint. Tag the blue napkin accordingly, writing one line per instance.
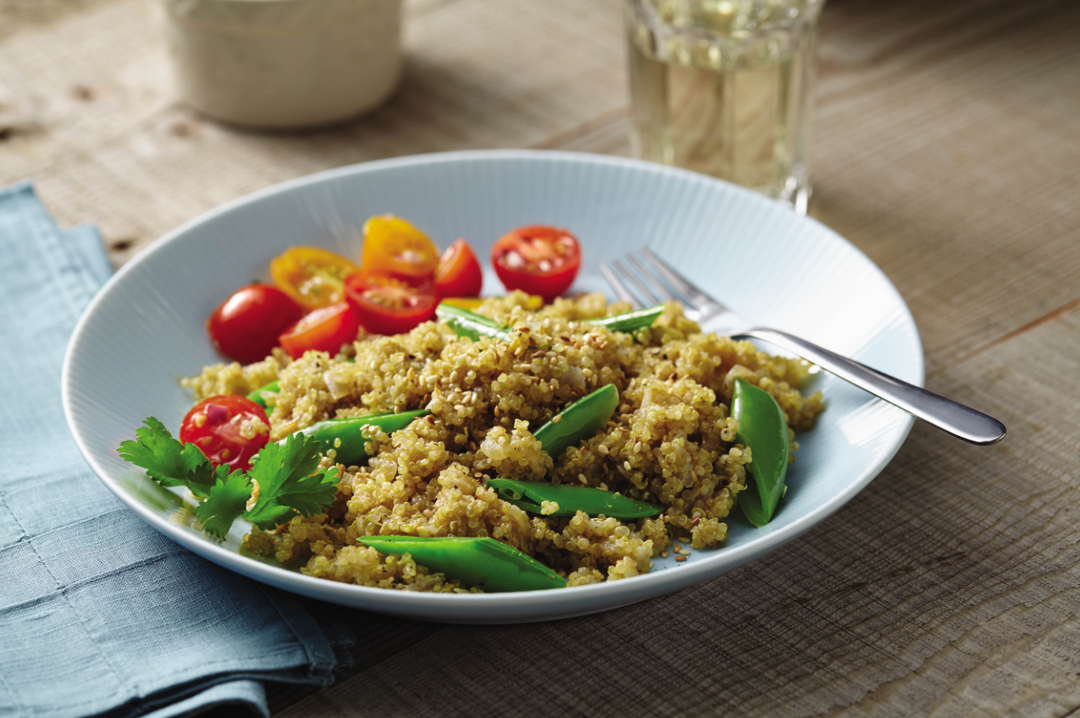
(98, 612)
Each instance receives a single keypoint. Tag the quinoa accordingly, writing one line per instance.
(236, 379)
(671, 441)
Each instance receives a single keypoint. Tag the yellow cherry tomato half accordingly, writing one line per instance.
(396, 247)
(313, 277)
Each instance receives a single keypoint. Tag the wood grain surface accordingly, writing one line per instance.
(947, 147)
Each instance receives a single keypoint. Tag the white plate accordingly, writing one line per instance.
(146, 329)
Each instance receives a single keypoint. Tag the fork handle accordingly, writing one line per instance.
(957, 419)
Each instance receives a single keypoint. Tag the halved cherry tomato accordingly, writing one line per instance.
(459, 273)
(246, 326)
(537, 260)
(395, 247)
(313, 277)
(217, 426)
(323, 330)
(388, 305)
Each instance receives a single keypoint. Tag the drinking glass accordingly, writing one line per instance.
(725, 87)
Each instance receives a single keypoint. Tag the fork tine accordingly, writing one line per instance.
(698, 298)
(664, 290)
(621, 290)
(642, 290)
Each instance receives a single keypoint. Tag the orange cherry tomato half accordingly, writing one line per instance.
(386, 304)
(216, 425)
(537, 260)
(313, 277)
(323, 330)
(246, 326)
(459, 273)
(395, 247)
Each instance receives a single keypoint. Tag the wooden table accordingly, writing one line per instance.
(947, 146)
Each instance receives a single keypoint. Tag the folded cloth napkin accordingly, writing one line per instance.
(98, 612)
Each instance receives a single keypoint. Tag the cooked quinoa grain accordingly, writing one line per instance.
(671, 440)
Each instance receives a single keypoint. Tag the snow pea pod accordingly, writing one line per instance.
(469, 324)
(630, 321)
(346, 436)
(763, 429)
(481, 562)
(259, 397)
(529, 495)
(579, 421)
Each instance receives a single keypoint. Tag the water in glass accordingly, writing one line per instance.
(725, 87)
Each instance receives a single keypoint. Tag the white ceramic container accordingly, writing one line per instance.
(283, 63)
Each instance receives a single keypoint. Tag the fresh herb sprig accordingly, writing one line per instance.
(288, 477)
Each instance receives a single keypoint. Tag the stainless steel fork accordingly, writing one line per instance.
(654, 281)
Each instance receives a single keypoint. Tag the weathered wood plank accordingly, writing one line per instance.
(946, 148)
(967, 134)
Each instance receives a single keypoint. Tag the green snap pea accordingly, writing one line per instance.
(476, 562)
(259, 397)
(346, 436)
(579, 421)
(763, 429)
(630, 321)
(529, 495)
(469, 324)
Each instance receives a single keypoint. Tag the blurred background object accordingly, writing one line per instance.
(725, 87)
(283, 63)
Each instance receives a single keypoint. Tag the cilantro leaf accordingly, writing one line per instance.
(287, 474)
(226, 501)
(168, 461)
(290, 482)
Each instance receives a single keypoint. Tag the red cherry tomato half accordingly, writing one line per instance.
(246, 326)
(223, 427)
(388, 305)
(459, 273)
(323, 330)
(537, 260)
